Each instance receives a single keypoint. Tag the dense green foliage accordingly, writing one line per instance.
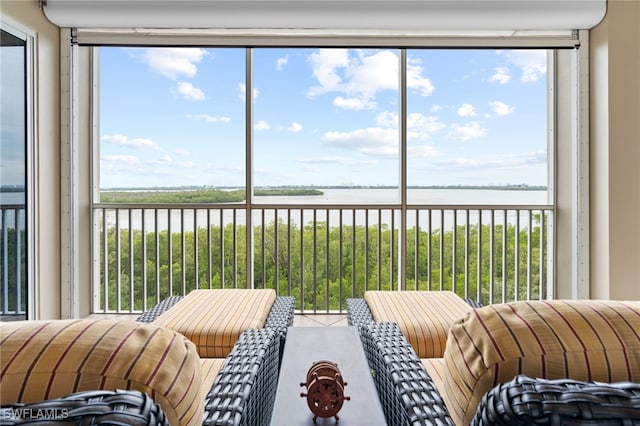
(322, 267)
(196, 195)
(286, 192)
(167, 197)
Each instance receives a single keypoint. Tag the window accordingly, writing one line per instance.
(323, 172)
(329, 119)
(13, 173)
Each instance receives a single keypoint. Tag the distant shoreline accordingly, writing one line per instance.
(520, 187)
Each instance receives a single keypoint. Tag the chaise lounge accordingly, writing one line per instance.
(182, 369)
(539, 362)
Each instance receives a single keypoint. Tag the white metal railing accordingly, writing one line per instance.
(321, 255)
(13, 247)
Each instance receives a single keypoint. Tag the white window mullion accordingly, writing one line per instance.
(68, 177)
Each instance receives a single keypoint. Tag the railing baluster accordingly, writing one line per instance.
(441, 255)
(366, 250)
(454, 252)
(196, 284)
(516, 266)
(379, 249)
(416, 254)
(143, 243)
(542, 284)
(131, 261)
(340, 264)
(479, 259)
(209, 251)
(170, 250)
(157, 255)
(467, 253)
(5, 261)
(276, 250)
(429, 249)
(326, 260)
(529, 255)
(289, 237)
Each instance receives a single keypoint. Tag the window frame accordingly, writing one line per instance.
(31, 190)
(568, 120)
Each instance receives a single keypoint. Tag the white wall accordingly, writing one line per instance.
(615, 153)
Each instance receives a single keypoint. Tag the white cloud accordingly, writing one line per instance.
(435, 108)
(181, 152)
(468, 131)
(419, 126)
(243, 92)
(209, 118)
(415, 79)
(189, 91)
(341, 161)
(421, 151)
(359, 77)
(467, 110)
(137, 143)
(494, 162)
(500, 108)
(354, 103)
(326, 63)
(261, 125)
(532, 63)
(281, 62)
(374, 141)
(500, 75)
(121, 160)
(173, 62)
(295, 127)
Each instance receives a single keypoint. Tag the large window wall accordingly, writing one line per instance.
(431, 142)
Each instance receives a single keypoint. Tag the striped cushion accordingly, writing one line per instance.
(581, 340)
(435, 368)
(214, 319)
(423, 316)
(49, 359)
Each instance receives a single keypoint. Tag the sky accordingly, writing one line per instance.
(12, 116)
(176, 117)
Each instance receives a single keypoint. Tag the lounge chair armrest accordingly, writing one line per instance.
(528, 401)
(157, 310)
(407, 393)
(245, 388)
(358, 312)
(126, 407)
(281, 316)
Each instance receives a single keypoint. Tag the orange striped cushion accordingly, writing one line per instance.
(581, 340)
(214, 319)
(423, 316)
(50, 359)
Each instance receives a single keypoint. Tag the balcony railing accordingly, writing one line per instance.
(321, 255)
(13, 247)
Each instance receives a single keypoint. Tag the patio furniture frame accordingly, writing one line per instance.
(410, 397)
(243, 393)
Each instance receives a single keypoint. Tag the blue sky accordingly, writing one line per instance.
(176, 117)
(12, 116)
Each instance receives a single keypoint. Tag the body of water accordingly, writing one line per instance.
(414, 196)
(188, 219)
